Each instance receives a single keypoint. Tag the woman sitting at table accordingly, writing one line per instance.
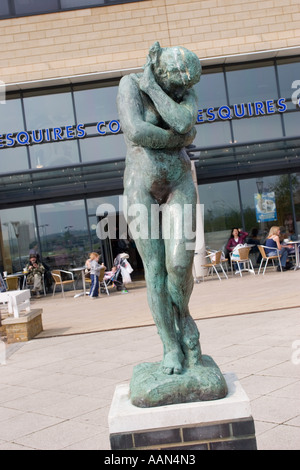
(237, 237)
(273, 244)
(35, 272)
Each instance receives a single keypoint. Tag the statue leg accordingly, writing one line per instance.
(152, 252)
(179, 262)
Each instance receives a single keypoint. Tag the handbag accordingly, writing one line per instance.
(235, 252)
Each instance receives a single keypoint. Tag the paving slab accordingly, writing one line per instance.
(56, 390)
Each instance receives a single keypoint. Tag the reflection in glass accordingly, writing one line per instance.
(292, 123)
(221, 212)
(213, 133)
(79, 3)
(18, 235)
(258, 128)
(54, 154)
(295, 182)
(280, 185)
(4, 8)
(64, 234)
(35, 6)
(48, 111)
(287, 74)
(211, 90)
(11, 117)
(96, 104)
(252, 84)
(103, 147)
(13, 159)
(94, 203)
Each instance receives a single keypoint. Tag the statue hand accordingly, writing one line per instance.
(147, 80)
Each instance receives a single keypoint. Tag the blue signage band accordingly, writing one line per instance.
(223, 113)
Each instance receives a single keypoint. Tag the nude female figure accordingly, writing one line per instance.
(158, 112)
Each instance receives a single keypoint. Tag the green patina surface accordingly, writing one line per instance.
(158, 111)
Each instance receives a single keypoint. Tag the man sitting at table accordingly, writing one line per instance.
(35, 272)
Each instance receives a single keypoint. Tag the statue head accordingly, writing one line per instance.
(175, 68)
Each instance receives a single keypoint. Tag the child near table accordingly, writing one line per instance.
(94, 266)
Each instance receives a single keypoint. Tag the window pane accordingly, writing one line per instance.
(252, 84)
(95, 105)
(211, 134)
(11, 117)
(221, 212)
(211, 90)
(295, 182)
(18, 233)
(4, 8)
(12, 159)
(48, 111)
(292, 123)
(55, 154)
(35, 6)
(101, 148)
(259, 128)
(79, 3)
(94, 203)
(64, 234)
(281, 187)
(287, 74)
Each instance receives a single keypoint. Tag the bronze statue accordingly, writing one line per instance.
(158, 111)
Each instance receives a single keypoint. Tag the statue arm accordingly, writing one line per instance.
(136, 129)
(181, 117)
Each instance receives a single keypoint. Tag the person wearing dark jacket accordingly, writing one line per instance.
(35, 271)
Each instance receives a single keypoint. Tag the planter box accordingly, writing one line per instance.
(23, 328)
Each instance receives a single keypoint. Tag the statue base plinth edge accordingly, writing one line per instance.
(224, 423)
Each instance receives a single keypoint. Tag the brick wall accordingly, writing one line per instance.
(118, 37)
(227, 435)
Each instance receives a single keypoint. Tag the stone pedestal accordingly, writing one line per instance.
(24, 328)
(221, 424)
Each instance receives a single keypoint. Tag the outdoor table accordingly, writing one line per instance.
(82, 269)
(296, 243)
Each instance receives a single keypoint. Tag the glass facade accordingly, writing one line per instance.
(13, 8)
(62, 155)
(25, 7)
(64, 234)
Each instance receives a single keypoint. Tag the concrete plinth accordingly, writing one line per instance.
(211, 425)
(24, 328)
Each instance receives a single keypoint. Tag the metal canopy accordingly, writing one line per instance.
(72, 182)
(106, 177)
(246, 159)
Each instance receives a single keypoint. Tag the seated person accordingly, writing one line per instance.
(253, 239)
(35, 272)
(273, 243)
(237, 237)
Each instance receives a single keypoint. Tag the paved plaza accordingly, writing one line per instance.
(56, 390)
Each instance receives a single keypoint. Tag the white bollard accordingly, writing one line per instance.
(2, 353)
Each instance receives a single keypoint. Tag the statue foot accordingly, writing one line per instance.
(172, 362)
